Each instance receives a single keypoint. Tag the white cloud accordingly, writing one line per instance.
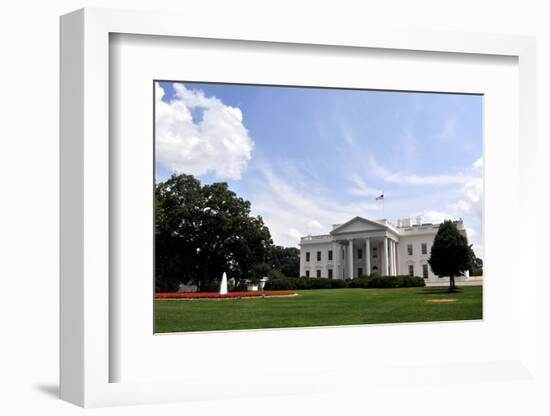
(426, 180)
(214, 141)
(470, 206)
(405, 179)
(478, 249)
(478, 164)
(315, 225)
(291, 212)
(473, 195)
(347, 134)
(448, 128)
(294, 235)
(361, 188)
(471, 202)
(292, 209)
(436, 216)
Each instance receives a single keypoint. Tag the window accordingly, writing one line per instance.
(359, 272)
(424, 248)
(330, 255)
(425, 271)
(411, 270)
(330, 273)
(410, 249)
(374, 252)
(318, 256)
(307, 272)
(359, 253)
(307, 256)
(318, 273)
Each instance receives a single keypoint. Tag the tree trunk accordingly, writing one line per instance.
(452, 283)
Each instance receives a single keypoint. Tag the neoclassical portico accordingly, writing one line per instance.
(367, 254)
(365, 247)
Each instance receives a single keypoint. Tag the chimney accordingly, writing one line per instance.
(418, 220)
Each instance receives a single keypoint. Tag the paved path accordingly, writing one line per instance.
(473, 282)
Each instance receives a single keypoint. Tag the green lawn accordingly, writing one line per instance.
(318, 308)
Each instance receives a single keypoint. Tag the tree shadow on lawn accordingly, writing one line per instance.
(439, 291)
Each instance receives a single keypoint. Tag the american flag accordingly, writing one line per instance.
(381, 197)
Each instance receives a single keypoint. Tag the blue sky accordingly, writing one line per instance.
(307, 158)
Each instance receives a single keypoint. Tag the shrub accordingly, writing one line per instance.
(210, 286)
(476, 271)
(275, 274)
(393, 282)
(361, 282)
(304, 283)
(288, 283)
(281, 284)
(338, 284)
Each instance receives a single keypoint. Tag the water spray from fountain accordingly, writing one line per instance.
(223, 284)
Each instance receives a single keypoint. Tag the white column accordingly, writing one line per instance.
(390, 261)
(392, 264)
(385, 262)
(396, 272)
(335, 261)
(350, 257)
(342, 254)
(341, 260)
(389, 257)
(367, 256)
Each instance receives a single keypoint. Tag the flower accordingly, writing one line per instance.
(215, 295)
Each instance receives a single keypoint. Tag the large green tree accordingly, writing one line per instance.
(202, 231)
(451, 255)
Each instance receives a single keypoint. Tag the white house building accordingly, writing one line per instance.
(362, 247)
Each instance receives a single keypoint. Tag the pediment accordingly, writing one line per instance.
(358, 224)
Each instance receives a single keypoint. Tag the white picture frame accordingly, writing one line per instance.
(86, 356)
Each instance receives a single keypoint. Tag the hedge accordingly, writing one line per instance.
(304, 283)
(476, 271)
(387, 282)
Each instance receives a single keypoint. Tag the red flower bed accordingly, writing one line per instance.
(215, 295)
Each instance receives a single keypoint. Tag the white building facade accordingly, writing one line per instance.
(362, 247)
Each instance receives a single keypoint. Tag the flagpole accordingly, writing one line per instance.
(383, 202)
(381, 197)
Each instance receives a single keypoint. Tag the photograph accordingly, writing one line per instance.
(285, 206)
(275, 208)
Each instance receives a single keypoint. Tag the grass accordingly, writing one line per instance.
(319, 308)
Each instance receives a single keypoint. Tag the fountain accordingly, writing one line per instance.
(223, 285)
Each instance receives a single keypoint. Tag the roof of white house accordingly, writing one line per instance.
(376, 224)
(403, 228)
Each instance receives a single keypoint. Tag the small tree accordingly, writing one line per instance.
(477, 267)
(451, 255)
